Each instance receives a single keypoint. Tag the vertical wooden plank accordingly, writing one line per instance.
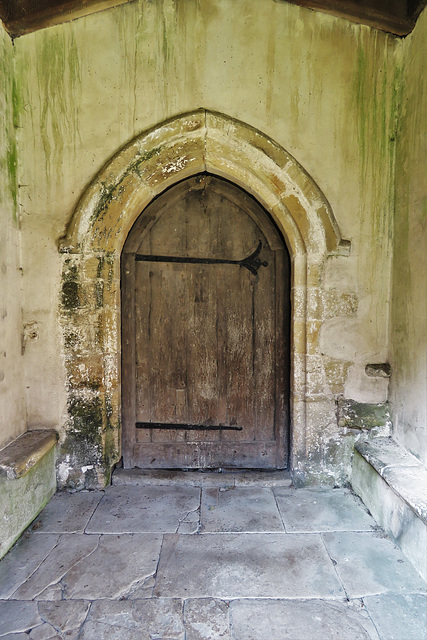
(202, 365)
(128, 359)
(168, 346)
(239, 236)
(283, 310)
(265, 347)
(142, 354)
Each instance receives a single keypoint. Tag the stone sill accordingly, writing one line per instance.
(403, 473)
(18, 457)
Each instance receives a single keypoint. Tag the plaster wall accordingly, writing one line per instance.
(409, 292)
(12, 407)
(324, 89)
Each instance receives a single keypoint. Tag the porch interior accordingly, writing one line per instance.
(317, 112)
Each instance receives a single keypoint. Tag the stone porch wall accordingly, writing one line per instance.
(409, 291)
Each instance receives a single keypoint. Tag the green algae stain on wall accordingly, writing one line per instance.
(12, 172)
(11, 108)
(12, 151)
(59, 77)
(377, 97)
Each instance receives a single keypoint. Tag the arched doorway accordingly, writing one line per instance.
(90, 309)
(205, 332)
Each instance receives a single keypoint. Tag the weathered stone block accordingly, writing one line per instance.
(28, 483)
(336, 303)
(361, 415)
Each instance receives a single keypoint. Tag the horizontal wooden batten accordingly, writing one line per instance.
(185, 427)
(204, 455)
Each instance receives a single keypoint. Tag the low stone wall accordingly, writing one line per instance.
(392, 484)
(27, 482)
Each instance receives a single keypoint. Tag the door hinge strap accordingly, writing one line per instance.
(251, 262)
(185, 427)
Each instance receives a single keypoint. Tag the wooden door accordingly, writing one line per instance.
(205, 339)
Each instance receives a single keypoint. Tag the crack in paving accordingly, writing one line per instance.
(27, 584)
(72, 566)
(93, 513)
(36, 568)
(280, 513)
(139, 583)
(334, 565)
(198, 510)
(80, 631)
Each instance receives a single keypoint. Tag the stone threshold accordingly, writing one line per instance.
(23, 453)
(402, 471)
(195, 478)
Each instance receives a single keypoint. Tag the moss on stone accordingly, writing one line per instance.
(144, 157)
(362, 415)
(86, 419)
(70, 287)
(71, 339)
(99, 294)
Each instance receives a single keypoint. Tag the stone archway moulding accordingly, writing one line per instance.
(90, 299)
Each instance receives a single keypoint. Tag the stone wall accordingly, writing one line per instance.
(409, 292)
(325, 90)
(12, 406)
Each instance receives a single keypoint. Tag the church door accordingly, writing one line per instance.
(205, 332)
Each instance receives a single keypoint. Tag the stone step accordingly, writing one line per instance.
(201, 478)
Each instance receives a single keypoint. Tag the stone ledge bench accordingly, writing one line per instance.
(393, 485)
(27, 482)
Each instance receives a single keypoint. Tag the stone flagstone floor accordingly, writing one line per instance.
(201, 556)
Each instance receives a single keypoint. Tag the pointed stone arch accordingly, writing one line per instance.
(200, 141)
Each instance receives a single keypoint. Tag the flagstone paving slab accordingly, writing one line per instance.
(136, 509)
(42, 620)
(299, 620)
(67, 512)
(245, 565)
(65, 614)
(44, 632)
(70, 550)
(206, 619)
(370, 564)
(307, 510)
(119, 563)
(399, 616)
(239, 509)
(18, 617)
(137, 619)
(22, 560)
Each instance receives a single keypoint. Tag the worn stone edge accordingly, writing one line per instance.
(14, 463)
(236, 478)
(379, 463)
